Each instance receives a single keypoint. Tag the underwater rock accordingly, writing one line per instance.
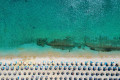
(105, 48)
(42, 42)
(65, 44)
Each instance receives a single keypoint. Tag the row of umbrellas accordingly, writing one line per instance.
(60, 73)
(60, 78)
(63, 63)
(61, 68)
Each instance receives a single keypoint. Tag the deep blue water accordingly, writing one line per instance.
(92, 23)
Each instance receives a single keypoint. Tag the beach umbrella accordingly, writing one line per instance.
(99, 68)
(46, 78)
(90, 78)
(117, 74)
(41, 67)
(107, 74)
(9, 63)
(20, 63)
(12, 78)
(104, 68)
(118, 68)
(7, 78)
(62, 73)
(69, 68)
(48, 73)
(84, 68)
(4, 63)
(53, 63)
(109, 68)
(67, 64)
(76, 63)
(46, 67)
(9, 73)
(112, 63)
(60, 67)
(55, 78)
(70, 78)
(43, 73)
(48, 63)
(17, 68)
(94, 68)
(97, 74)
(95, 78)
(2, 68)
(29, 63)
(39, 63)
(0, 73)
(96, 64)
(36, 68)
(86, 63)
(50, 68)
(0, 63)
(41, 78)
(31, 68)
(55, 68)
(91, 63)
(14, 73)
(12, 68)
(34, 73)
(82, 73)
(65, 78)
(92, 74)
(61, 78)
(53, 73)
(33, 63)
(105, 79)
(116, 64)
(86, 73)
(7, 67)
(101, 64)
(75, 78)
(62, 63)
(79, 68)
(24, 73)
(67, 73)
(29, 73)
(81, 63)
(14, 63)
(72, 63)
(80, 78)
(114, 68)
(51, 78)
(39, 73)
(89, 68)
(74, 68)
(106, 63)
(43, 63)
(65, 67)
(112, 74)
(58, 63)
(19, 73)
(99, 78)
(27, 78)
(22, 68)
(102, 74)
(58, 73)
(77, 73)
(5, 73)
(72, 73)
(22, 78)
(85, 78)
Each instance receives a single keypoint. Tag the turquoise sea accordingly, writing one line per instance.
(60, 24)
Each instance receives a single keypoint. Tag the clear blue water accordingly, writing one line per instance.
(92, 23)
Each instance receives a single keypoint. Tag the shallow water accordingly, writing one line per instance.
(91, 23)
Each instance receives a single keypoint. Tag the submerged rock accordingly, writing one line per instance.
(42, 42)
(105, 48)
(65, 44)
